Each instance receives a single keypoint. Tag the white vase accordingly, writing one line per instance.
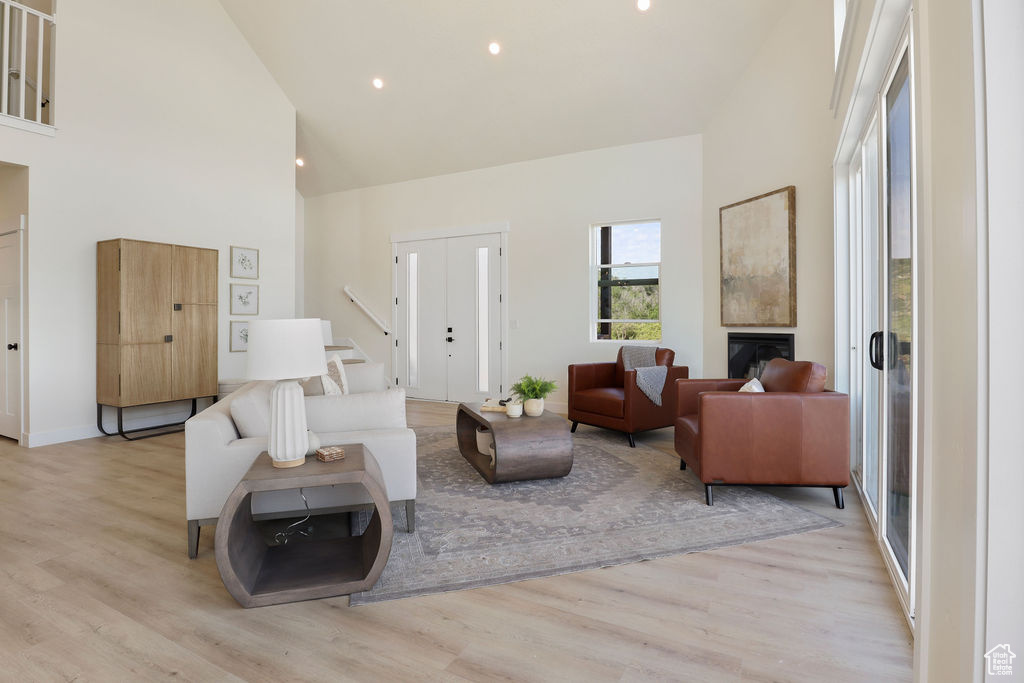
(534, 407)
(514, 409)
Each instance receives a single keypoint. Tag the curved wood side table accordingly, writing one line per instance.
(524, 447)
(257, 574)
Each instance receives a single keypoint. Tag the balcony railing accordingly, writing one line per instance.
(26, 64)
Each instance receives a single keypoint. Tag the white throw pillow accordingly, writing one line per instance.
(331, 387)
(364, 377)
(250, 410)
(753, 387)
(336, 371)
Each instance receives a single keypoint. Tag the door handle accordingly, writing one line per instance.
(12, 347)
(875, 351)
(450, 340)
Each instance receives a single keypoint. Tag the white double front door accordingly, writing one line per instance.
(448, 317)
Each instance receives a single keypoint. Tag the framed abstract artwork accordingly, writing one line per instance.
(758, 250)
(245, 263)
(238, 336)
(245, 299)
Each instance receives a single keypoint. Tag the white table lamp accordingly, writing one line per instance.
(286, 350)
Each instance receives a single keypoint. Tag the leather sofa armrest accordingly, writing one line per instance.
(688, 390)
(590, 375)
(775, 437)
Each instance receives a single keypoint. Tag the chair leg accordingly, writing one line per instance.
(632, 443)
(575, 424)
(410, 515)
(709, 498)
(193, 538)
(682, 464)
(837, 493)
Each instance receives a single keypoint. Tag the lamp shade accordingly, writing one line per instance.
(325, 325)
(286, 349)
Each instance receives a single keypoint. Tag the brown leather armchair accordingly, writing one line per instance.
(606, 395)
(796, 433)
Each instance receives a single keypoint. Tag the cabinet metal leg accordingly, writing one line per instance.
(121, 431)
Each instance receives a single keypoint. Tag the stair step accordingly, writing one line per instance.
(351, 361)
(338, 348)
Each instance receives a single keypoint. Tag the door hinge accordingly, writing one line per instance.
(499, 298)
(396, 259)
(396, 300)
(501, 388)
(499, 251)
(396, 343)
(119, 259)
(119, 323)
(396, 381)
(500, 347)
(119, 384)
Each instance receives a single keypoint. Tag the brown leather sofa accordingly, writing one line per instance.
(796, 433)
(606, 395)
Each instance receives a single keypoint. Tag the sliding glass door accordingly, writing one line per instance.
(896, 355)
(882, 304)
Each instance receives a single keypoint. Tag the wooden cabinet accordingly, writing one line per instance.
(156, 322)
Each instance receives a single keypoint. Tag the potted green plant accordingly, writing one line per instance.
(533, 390)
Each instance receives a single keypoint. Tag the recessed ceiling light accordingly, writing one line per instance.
(378, 84)
(300, 162)
(643, 5)
(494, 48)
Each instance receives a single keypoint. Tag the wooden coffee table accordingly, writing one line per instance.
(258, 574)
(524, 447)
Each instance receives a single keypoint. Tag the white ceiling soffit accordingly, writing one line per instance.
(572, 75)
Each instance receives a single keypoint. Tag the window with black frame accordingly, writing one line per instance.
(627, 274)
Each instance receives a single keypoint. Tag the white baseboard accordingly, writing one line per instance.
(142, 417)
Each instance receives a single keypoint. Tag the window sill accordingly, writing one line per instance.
(630, 342)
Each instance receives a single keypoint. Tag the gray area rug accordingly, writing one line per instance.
(618, 505)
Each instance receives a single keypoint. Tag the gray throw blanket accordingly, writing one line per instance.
(649, 377)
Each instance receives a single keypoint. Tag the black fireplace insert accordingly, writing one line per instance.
(750, 352)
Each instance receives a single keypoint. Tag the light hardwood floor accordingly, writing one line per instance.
(95, 585)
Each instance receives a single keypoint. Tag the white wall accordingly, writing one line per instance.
(774, 130)
(549, 205)
(169, 129)
(1004, 84)
(13, 190)
(300, 254)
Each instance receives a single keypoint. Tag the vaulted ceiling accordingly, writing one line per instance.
(572, 75)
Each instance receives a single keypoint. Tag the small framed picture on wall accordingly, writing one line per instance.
(239, 336)
(245, 299)
(245, 263)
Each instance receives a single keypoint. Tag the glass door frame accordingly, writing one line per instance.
(858, 260)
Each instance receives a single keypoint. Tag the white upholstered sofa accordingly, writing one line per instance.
(222, 442)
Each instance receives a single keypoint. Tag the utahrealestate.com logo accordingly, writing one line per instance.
(1000, 660)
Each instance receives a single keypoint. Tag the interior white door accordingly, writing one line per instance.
(448, 317)
(10, 330)
(420, 327)
(474, 322)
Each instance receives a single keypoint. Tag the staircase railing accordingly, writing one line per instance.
(26, 34)
(378, 321)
